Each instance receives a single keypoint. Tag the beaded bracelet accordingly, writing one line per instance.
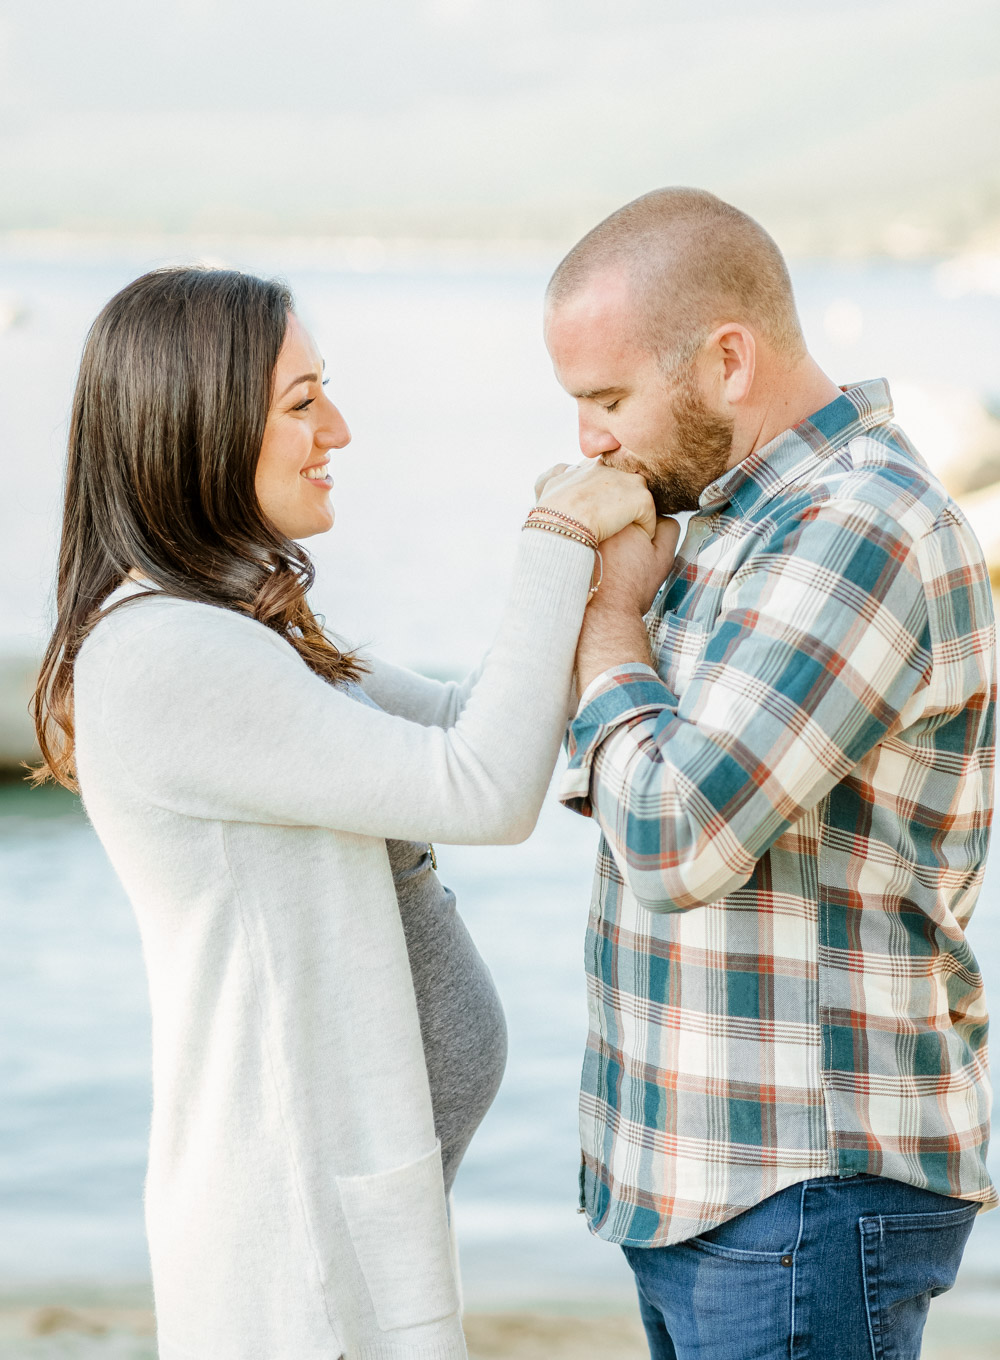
(587, 539)
(558, 514)
(543, 515)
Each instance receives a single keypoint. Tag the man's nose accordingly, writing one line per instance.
(595, 439)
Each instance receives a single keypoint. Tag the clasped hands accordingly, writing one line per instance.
(637, 548)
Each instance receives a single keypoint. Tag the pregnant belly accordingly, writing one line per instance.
(461, 1019)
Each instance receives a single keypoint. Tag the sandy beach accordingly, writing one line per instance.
(963, 1325)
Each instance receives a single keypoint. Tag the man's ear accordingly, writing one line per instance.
(733, 352)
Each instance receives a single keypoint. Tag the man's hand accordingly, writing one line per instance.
(635, 567)
(613, 632)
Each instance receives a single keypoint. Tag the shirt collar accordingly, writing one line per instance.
(763, 473)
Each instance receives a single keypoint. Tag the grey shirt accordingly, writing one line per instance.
(461, 1019)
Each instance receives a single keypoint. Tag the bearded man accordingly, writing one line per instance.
(786, 735)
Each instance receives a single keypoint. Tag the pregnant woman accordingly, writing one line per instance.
(325, 1036)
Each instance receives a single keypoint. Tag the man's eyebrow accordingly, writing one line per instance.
(306, 377)
(596, 395)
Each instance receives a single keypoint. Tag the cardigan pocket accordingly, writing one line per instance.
(398, 1221)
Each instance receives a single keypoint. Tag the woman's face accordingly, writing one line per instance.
(303, 425)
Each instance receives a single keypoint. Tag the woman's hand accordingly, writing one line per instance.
(602, 498)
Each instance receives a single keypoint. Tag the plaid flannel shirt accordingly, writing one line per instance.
(795, 808)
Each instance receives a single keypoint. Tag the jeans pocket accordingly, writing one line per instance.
(712, 1247)
(766, 1233)
(905, 1260)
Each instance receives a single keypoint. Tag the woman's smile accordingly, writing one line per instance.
(302, 422)
(318, 476)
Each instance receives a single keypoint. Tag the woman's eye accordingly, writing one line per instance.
(303, 404)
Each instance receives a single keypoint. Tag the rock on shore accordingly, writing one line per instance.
(18, 669)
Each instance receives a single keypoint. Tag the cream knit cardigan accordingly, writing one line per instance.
(294, 1199)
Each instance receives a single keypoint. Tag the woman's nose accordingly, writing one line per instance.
(335, 433)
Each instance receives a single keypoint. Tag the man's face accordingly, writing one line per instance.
(632, 413)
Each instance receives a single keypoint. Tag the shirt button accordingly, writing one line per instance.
(786, 1260)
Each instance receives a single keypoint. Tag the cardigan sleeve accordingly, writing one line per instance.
(420, 699)
(212, 715)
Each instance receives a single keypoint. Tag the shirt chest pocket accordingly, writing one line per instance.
(677, 645)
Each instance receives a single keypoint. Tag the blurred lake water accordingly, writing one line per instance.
(440, 370)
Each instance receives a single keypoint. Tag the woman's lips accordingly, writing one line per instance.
(324, 482)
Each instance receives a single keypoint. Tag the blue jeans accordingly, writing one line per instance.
(832, 1269)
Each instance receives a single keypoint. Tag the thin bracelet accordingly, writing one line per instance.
(596, 585)
(558, 514)
(588, 542)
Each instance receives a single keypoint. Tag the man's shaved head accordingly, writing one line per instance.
(691, 263)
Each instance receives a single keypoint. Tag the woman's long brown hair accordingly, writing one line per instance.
(166, 429)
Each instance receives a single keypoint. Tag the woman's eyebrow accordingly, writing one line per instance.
(306, 377)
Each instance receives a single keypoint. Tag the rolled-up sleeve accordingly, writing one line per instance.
(822, 640)
(614, 700)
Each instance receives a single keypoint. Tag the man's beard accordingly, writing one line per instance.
(700, 447)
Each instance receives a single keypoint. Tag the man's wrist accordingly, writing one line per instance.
(609, 638)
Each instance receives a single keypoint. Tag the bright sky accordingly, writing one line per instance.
(469, 116)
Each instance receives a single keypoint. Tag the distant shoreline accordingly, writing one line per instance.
(371, 252)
